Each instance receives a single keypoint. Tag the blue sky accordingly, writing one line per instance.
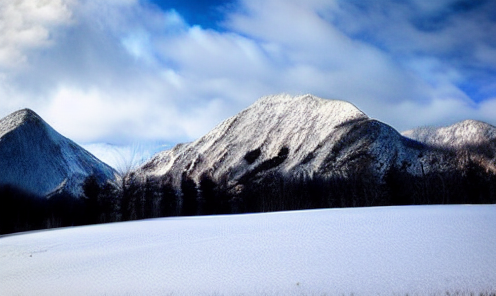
(207, 14)
(137, 71)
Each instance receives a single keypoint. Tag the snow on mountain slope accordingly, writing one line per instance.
(305, 133)
(36, 158)
(458, 135)
(269, 124)
(411, 250)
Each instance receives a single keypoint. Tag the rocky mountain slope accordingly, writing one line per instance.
(303, 135)
(308, 146)
(38, 160)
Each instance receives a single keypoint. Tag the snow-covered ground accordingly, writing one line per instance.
(419, 250)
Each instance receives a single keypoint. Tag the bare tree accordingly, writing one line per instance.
(129, 158)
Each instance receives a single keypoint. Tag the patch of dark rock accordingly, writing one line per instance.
(409, 143)
(266, 165)
(350, 122)
(253, 155)
(308, 158)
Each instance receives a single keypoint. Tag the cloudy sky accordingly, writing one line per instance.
(137, 71)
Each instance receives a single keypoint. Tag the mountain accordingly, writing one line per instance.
(303, 135)
(302, 152)
(38, 160)
(273, 128)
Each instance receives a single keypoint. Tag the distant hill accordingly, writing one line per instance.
(288, 152)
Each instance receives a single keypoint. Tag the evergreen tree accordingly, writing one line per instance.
(209, 196)
(189, 196)
(169, 202)
(91, 190)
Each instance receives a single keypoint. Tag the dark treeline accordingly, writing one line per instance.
(147, 197)
(139, 197)
(22, 211)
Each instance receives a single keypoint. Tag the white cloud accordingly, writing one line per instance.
(487, 110)
(25, 25)
(90, 114)
(438, 112)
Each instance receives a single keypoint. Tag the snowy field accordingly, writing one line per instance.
(419, 250)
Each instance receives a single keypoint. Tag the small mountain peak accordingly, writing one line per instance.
(28, 115)
(469, 122)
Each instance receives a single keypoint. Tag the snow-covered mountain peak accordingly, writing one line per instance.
(274, 127)
(464, 133)
(470, 126)
(26, 114)
(334, 108)
(18, 118)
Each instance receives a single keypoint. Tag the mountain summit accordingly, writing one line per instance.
(287, 152)
(302, 136)
(38, 160)
(283, 132)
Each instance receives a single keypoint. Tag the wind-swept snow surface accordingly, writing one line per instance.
(419, 250)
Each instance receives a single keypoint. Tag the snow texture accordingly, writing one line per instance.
(414, 250)
(36, 158)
